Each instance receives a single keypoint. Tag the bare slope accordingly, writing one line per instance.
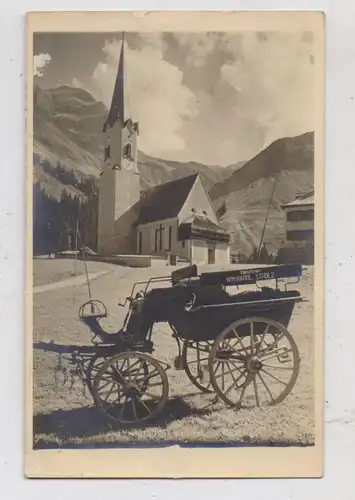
(290, 163)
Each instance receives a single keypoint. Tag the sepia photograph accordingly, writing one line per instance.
(175, 267)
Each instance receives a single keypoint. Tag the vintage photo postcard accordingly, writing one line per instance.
(175, 244)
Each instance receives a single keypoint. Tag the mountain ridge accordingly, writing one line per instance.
(68, 131)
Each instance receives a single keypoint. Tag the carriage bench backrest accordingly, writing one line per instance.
(250, 276)
(183, 274)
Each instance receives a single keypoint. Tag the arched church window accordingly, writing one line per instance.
(107, 152)
(127, 151)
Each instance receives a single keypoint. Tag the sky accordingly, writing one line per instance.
(213, 98)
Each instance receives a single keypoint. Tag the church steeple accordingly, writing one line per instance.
(117, 109)
(119, 189)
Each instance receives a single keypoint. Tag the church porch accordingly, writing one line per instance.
(207, 241)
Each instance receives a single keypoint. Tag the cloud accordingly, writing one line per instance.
(254, 87)
(198, 46)
(156, 97)
(40, 61)
(273, 76)
(216, 98)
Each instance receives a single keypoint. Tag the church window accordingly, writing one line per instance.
(107, 152)
(127, 151)
(211, 255)
(161, 231)
(159, 238)
(140, 242)
(170, 237)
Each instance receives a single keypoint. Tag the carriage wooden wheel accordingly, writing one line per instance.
(195, 357)
(131, 388)
(94, 366)
(254, 362)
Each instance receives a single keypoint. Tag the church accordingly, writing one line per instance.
(174, 219)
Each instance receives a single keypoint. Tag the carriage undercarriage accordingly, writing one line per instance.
(235, 346)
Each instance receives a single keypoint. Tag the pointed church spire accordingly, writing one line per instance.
(117, 109)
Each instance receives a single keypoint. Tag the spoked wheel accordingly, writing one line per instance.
(195, 356)
(254, 362)
(131, 388)
(94, 366)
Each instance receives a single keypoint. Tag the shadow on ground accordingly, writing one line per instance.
(89, 421)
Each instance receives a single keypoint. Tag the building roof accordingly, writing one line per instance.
(301, 200)
(199, 226)
(119, 104)
(165, 201)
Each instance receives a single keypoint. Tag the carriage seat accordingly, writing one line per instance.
(186, 273)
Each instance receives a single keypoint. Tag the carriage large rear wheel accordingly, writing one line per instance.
(131, 388)
(254, 362)
(195, 357)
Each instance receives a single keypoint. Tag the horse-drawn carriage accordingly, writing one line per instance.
(235, 344)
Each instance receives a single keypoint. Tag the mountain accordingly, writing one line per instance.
(68, 135)
(68, 130)
(284, 155)
(286, 165)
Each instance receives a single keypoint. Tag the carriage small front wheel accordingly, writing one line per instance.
(195, 355)
(254, 362)
(94, 366)
(131, 388)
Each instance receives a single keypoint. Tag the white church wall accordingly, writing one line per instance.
(148, 239)
(148, 236)
(127, 185)
(106, 212)
(119, 192)
(127, 180)
(114, 139)
(125, 239)
(222, 253)
(199, 251)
